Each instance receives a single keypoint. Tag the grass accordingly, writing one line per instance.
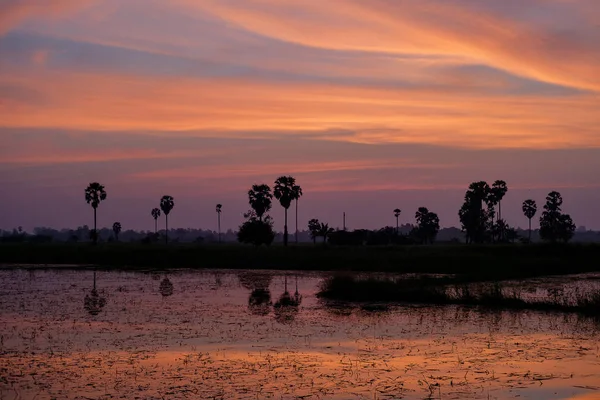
(477, 262)
(440, 292)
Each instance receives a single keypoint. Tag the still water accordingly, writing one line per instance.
(259, 335)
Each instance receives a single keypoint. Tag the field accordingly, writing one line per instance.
(492, 262)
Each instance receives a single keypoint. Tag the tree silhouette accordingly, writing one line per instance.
(218, 208)
(428, 225)
(313, 227)
(397, 212)
(298, 190)
(286, 190)
(255, 231)
(166, 205)
(94, 194)
(474, 219)
(155, 214)
(117, 230)
(497, 193)
(529, 210)
(260, 199)
(325, 231)
(554, 225)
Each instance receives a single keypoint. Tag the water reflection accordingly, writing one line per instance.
(255, 280)
(166, 287)
(146, 348)
(287, 307)
(259, 302)
(92, 302)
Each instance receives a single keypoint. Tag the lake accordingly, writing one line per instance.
(260, 334)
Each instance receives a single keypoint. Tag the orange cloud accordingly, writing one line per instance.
(14, 11)
(426, 27)
(237, 107)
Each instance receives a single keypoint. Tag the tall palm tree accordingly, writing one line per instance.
(117, 230)
(155, 214)
(260, 199)
(298, 190)
(94, 194)
(529, 210)
(498, 191)
(286, 190)
(218, 208)
(166, 205)
(397, 212)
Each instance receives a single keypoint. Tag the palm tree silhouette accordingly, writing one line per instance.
(397, 212)
(166, 205)
(94, 194)
(498, 191)
(117, 230)
(298, 190)
(325, 230)
(529, 210)
(286, 190)
(155, 214)
(219, 207)
(260, 199)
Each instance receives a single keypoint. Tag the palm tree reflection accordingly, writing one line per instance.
(287, 307)
(166, 287)
(92, 302)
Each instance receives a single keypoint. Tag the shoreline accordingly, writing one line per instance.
(487, 262)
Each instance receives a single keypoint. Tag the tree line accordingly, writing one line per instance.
(480, 216)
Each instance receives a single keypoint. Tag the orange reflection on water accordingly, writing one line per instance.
(203, 339)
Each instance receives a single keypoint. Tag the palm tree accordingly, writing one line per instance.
(298, 190)
(166, 205)
(94, 194)
(260, 198)
(498, 191)
(529, 209)
(325, 230)
(155, 214)
(117, 230)
(219, 206)
(397, 212)
(285, 191)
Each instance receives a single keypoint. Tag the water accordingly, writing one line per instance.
(230, 335)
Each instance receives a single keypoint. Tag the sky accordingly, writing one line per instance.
(371, 105)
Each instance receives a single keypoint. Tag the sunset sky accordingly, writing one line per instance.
(371, 105)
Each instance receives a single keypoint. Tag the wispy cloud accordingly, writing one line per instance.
(202, 97)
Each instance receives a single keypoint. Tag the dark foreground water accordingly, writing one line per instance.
(241, 335)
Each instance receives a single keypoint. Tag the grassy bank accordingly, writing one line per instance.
(439, 292)
(481, 262)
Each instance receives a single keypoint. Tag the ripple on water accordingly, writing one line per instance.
(247, 334)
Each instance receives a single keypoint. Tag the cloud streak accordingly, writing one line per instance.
(203, 97)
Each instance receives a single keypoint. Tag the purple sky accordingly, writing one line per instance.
(370, 105)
